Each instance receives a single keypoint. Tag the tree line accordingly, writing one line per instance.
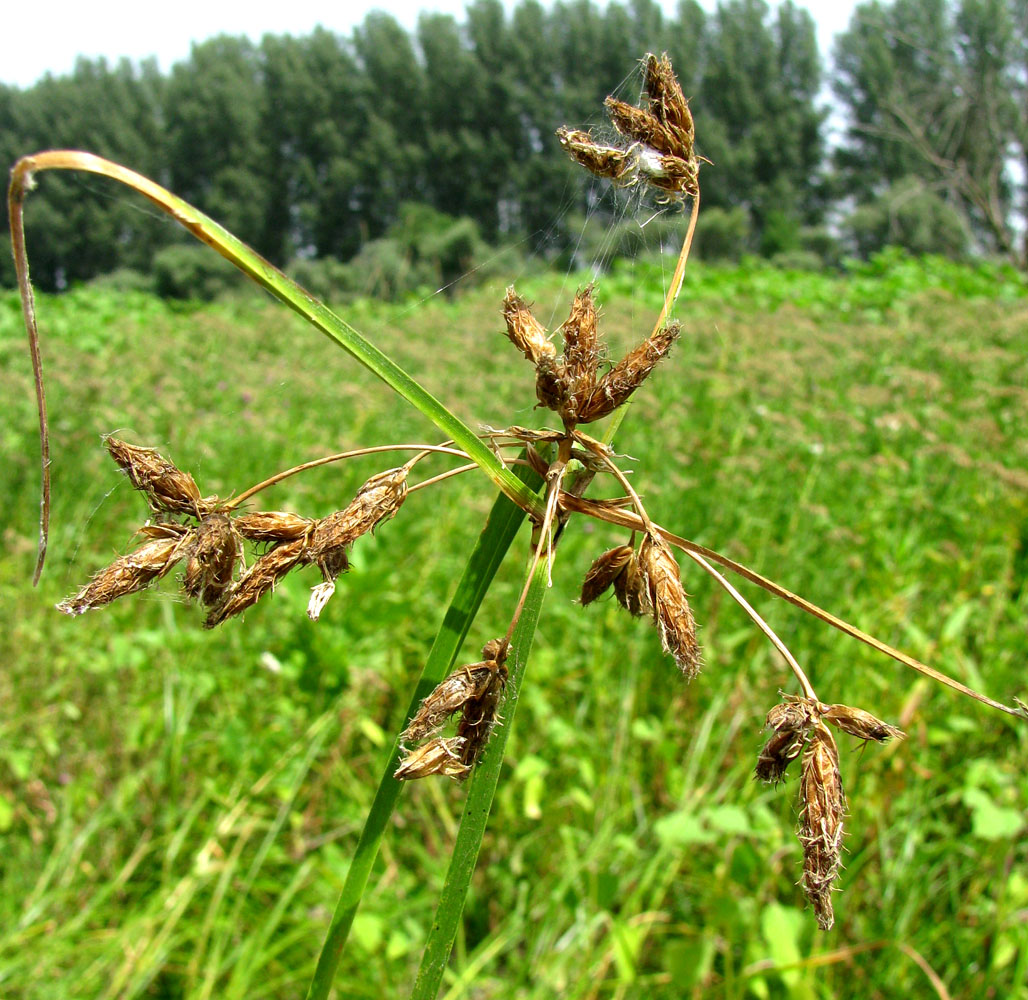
(316, 147)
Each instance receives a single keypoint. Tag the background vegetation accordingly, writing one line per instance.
(178, 808)
(309, 147)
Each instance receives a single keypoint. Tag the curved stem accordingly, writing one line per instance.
(597, 449)
(265, 274)
(443, 475)
(339, 457)
(759, 621)
(627, 519)
(676, 279)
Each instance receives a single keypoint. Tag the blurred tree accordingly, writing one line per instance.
(939, 89)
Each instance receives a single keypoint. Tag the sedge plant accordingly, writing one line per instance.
(231, 552)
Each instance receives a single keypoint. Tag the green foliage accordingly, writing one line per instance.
(936, 89)
(191, 271)
(907, 215)
(181, 807)
(722, 234)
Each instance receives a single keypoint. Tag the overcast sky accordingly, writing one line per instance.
(47, 37)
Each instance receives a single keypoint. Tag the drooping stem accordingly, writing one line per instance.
(339, 457)
(758, 620)
(628, 519)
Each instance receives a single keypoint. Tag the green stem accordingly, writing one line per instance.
(265, 274)
(479, 801)
(500, 529)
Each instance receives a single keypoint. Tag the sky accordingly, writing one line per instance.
(48, 37)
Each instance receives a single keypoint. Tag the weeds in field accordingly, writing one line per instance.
(580, 385)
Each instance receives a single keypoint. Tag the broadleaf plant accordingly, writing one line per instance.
(207, 536)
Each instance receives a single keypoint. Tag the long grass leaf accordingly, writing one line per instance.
(479, 801)
(261, 271)
(500, 529)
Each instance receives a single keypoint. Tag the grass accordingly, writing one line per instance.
(179, 808)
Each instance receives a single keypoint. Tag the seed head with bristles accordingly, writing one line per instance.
(861, 724)
(822, 804)
(273, 526)
(165, 486)
(464, 685)
(213, 552)
(791, 723)
(132, 572)
(261, 577)
(438, 756)
(479, 715)
(671, 612)
(526, 333)
(604, 571)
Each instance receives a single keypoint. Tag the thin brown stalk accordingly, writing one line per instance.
(628, 519)
(758, 621)
(21, 183)
(339, 457)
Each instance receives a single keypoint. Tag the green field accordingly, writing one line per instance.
(178, 807)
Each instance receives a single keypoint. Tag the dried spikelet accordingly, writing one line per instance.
(604, 571)
(791, 722)
(642, 126)
(479, 716)
(438, 756)
(671, 612)
(669, 106)
(617, 165)
(627, 375)
(261, 577)
(526, 333)
(861, 724)
(822, 804)
(795, 713)
(780, 750)
(272, 526)
(213, 553)
(449, 697)
(552, 387)
(581, 353)
(166, 487)
(632, 589)
(376, 501)
(130, 573)
(495, 649)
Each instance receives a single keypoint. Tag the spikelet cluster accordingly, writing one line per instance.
(472, 691)
(572, 383)
(659, 138)
(209, 540)
(798, 728)
(649, 583)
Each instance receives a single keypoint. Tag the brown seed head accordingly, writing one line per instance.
(617, 165)
(667, 103)
(166, 487)
(451, 696)
(552, 386)
(261, 577)
(671, 612)
(130, 573)
(526, 333)
(438, 756)
(795, 713)
(627, 375)
(581, 342)
(211, 560)
(479, 715)
(376, 501)
(780, 750)
(604, 571)
(822, 804)
(272, 526)
(861, 724)
(493, 649)
(632, 589)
